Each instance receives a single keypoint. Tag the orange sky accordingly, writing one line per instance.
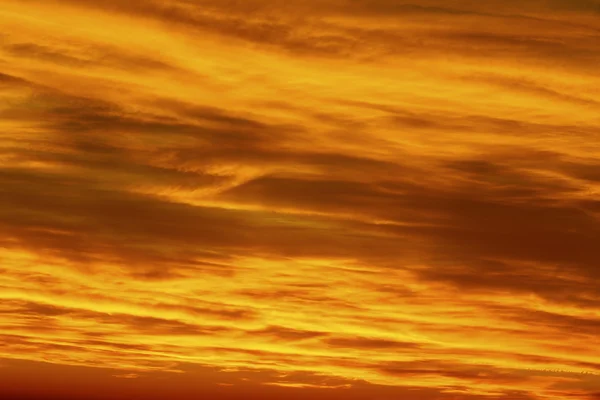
(328, 199)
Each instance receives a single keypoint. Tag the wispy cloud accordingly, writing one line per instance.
(362, 196)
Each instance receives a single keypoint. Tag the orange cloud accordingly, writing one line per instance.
(353, 199)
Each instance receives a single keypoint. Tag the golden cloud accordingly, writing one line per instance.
(353, 199)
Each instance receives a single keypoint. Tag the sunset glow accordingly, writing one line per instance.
(316, 199)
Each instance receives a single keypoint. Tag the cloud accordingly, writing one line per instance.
(335, 197)
(282, 333)
(370, 344)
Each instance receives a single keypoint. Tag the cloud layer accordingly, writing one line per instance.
(328, 197)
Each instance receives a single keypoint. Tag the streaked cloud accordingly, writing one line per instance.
(353, 199)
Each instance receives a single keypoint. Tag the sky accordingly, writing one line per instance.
(341, 199)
